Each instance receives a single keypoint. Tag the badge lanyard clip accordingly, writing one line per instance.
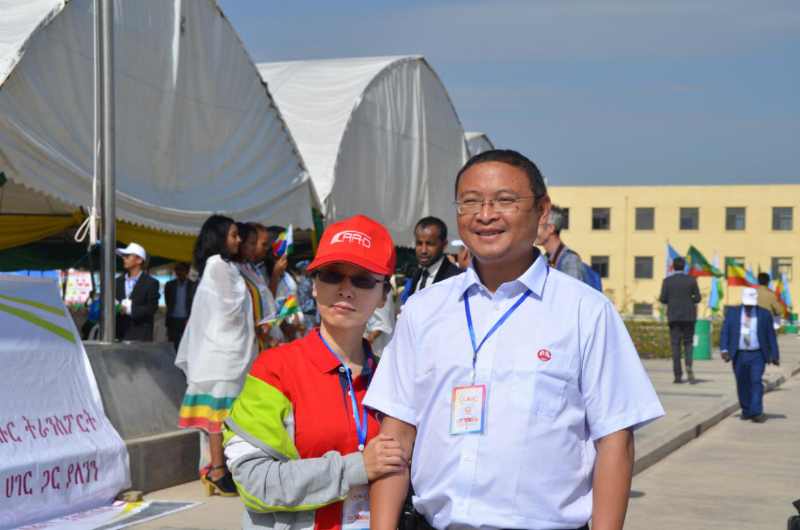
(361, 425)
(475, 345)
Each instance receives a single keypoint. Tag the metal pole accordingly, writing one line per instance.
(105, 32)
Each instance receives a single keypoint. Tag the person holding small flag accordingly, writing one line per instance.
(300, 443)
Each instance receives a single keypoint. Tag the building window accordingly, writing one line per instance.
(734, 219)
(690, 219)
(645, 218)
(643, 309)
(601, 218)
(738, 260)
(782, 218)
(643, 268)
(600, 265)
(782, 266)
(566, 219)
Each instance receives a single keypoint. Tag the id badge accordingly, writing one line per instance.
(355, 509)
(468, 409)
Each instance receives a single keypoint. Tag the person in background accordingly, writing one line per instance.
(463, 256)
(748, 339)
(381, 325)
(264, 305)
(305, 296)
(768, 299)
(178, 295)
(271, 269)
(218, 347)
(137, 293)
(559, 256)
(681, 295)
(300, 443)
(430, 242)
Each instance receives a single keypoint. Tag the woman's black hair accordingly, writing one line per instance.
(245, 231)
(212, 240)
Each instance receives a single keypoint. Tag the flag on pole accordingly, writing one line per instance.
(699, 265)
(284, 244)
(779, 293)
(715, 298)
(786, 296)
(737, 276)
(751, 276)
(669, 267)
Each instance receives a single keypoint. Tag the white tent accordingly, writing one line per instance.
(196, 129)
(379, 137)
(478, 142)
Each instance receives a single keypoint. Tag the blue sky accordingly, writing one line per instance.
(596, 92)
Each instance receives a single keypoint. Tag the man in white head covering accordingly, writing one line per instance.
(748, 339)
(137, 293)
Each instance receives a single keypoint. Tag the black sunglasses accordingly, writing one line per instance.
(360, 281)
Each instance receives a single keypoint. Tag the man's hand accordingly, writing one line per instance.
(726, 357)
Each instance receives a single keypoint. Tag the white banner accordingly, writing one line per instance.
(58, 452)
(116, 516)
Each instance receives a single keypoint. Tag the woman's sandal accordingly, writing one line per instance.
(224, 486)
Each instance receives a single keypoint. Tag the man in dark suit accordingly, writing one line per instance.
(178, 295)
(137, 293)
(748, 339)
(430, 241)
(681, 294)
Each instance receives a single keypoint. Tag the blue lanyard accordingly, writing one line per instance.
(361, 426)
(476, 346)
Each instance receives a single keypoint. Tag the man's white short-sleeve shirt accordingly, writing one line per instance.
(562, 372)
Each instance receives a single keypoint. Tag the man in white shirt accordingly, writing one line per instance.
(517, 386)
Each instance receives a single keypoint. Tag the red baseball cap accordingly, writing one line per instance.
(359, 241)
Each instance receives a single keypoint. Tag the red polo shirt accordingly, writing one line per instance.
(314, 381)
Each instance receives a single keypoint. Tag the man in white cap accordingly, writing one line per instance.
(137, 293)
(748, 339)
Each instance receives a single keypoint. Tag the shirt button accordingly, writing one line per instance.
(461, 503)
(497, 307)
(468, 458)
(341, 369)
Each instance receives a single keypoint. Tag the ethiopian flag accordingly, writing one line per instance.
(699, 265)
(284, 244)
(737, 275)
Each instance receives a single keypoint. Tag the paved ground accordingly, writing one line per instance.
(699, 486)
(737, 475)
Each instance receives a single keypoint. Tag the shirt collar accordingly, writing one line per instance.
(534, 278)
(321, 357)
(433, 269)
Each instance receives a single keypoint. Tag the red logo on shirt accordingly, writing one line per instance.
(544, 355)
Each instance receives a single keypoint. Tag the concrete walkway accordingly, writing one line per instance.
(691, 410)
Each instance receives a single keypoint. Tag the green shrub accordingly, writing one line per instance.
(651, 338)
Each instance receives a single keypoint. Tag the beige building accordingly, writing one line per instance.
(622, 231)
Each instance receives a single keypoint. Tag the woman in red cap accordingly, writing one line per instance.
(299, 443)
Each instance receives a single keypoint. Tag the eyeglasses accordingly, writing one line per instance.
(501, 205)
(360, 281)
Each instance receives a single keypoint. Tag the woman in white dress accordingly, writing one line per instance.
(218, 346)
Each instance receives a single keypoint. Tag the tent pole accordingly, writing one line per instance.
(104, 27)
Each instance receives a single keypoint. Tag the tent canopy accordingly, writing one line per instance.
(379, 137)
(196, 129)
(478, 142)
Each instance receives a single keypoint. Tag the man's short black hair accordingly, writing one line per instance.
(425, 222)
(182, 264)
(679, 264)
(514, 159)
(763, 279)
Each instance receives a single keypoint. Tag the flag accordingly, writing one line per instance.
(672, 254)
(779, 286)
(289, 307)
(786, 297)
(715, 298)
(284, 244)
(699, 265)
(737, 276)
(751, 277)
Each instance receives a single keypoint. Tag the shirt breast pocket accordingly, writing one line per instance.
(539, 382)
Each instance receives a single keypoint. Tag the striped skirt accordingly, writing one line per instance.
(207, 404)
